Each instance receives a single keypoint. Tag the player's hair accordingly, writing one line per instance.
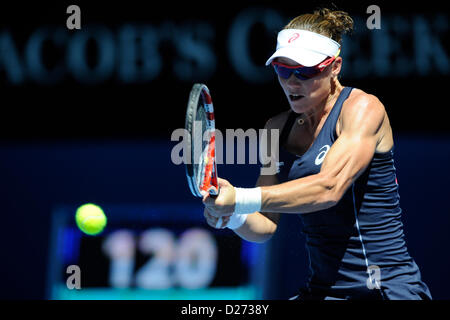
(332, 24)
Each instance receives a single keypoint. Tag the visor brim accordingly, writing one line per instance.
(301, 56)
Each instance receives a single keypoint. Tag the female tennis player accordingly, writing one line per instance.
(338, 175)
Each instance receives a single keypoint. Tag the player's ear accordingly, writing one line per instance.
(336, 66)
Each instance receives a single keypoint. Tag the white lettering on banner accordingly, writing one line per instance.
(403, 46)
(239, 40)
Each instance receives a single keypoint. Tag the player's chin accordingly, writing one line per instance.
(300, 105)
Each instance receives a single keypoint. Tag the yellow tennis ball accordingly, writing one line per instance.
(91, 219)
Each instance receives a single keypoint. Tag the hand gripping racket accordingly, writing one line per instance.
(200, 156)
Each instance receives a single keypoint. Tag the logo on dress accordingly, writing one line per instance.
(322, 153)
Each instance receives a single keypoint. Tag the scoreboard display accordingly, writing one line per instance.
(160, 252)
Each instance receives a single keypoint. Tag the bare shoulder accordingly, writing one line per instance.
(361, 101)
(362, 108)
(277, 121)
(365, 113)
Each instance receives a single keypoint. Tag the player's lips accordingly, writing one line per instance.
(295, 97)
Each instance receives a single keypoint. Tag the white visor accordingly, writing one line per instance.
(304, 47)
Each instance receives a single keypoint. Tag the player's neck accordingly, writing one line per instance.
(324, 108)
(335, 91)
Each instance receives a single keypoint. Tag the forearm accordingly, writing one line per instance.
(257, 228)
(309, 194)
(303, 195)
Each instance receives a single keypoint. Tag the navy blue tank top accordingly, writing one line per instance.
(356, 248)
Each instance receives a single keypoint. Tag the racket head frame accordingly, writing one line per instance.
(201, 178)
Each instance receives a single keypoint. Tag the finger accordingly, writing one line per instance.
(205, 195)
(225, 221)
(214, 214)
(208, 201)
(222, 182)
(219, 224)
(212, 221)
(208, 215)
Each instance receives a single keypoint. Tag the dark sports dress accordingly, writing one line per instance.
(356, 248)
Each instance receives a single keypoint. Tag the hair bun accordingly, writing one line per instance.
(332, 24)
(340, 21)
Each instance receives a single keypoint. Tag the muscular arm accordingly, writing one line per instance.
(348, 157)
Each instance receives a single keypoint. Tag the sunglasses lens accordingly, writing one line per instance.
(283, 72)
(306, 73)
(302, 73)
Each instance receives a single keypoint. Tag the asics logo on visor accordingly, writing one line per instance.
(294, 37)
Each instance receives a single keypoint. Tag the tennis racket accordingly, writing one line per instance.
(200, 158)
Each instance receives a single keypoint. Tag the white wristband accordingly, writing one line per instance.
(248, 200)
(236, 220)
